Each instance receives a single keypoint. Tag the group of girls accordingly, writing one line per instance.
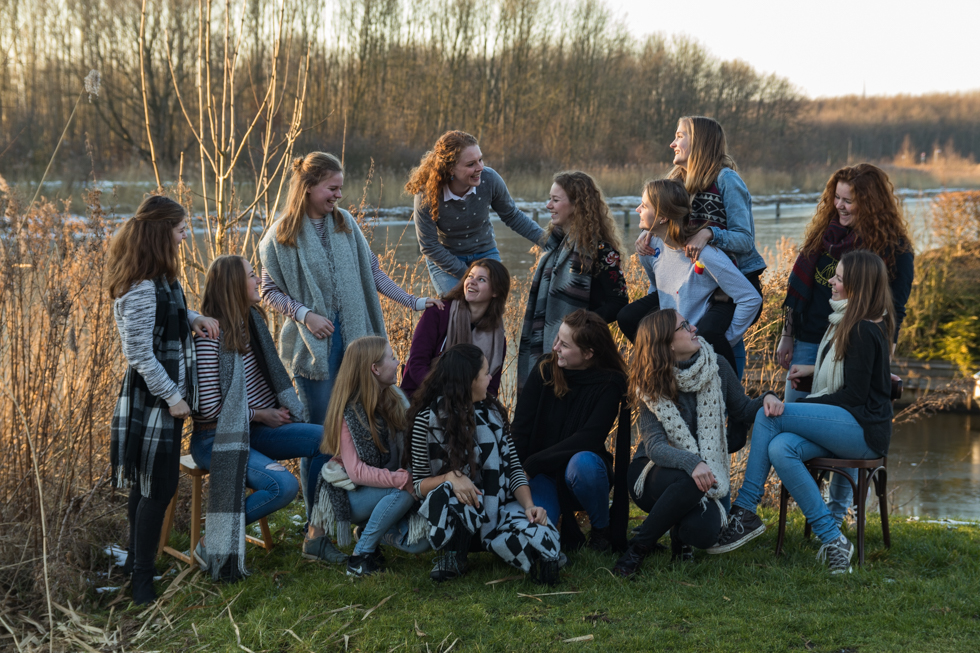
(437, 462)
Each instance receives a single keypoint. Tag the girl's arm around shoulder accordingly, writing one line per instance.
(503, 205)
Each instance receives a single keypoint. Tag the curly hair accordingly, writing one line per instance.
(451, 378)
(590, 221)
(499, 278)
(709, 154)
(308, 171)
(144, 246)
(878, 220)
(869, 297)
(590, 333)
(651, 373)
(436, 168)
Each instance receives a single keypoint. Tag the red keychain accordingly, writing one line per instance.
(698, 267)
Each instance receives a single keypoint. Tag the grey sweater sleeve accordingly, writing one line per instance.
(658, 449)
(135, 314)
(734, 284)
(502, 203)
(428, 235)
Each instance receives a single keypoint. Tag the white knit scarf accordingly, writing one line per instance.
(828, 374)
(712, 446)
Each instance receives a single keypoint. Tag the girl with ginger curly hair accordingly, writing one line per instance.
(578, 267)
(454, 192)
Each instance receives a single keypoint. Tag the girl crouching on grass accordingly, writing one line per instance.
(467, 472)
(155, 328)
(365, 432)
(249, 419)
(680, 473)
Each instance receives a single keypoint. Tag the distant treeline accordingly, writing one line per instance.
(542, 84)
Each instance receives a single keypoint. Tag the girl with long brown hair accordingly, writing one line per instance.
(474, 314)
(720, 203)
(249, 418)
(320, 273)
(563, 417)
(365, 432)
(579, 267)
(680, 473)
(454, 192)
(155, 327)
(468, 475)
(849, 414)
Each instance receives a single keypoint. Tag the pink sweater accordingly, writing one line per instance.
(363, 474)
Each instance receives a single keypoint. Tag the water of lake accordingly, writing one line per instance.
(933, 466)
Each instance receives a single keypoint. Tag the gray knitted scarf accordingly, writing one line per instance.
(328, 278)
(560, 286)
(225, 525)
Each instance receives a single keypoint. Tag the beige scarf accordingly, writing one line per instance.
(828, 373)
(461, 331)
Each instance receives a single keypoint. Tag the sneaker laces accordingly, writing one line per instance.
(835, 555)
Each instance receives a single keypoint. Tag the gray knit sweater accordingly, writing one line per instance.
(464, 225)
(653, 438)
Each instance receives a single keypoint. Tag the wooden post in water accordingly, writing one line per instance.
(535, 216)
(626, 220)
(777, 210)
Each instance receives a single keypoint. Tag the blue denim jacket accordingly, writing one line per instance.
(739, 238)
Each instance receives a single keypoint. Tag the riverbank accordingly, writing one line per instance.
(919, 595)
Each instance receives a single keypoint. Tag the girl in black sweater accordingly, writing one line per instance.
(849, 416)
(563, 417)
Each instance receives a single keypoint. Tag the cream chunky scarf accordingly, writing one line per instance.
(828, 373)
(711, 445)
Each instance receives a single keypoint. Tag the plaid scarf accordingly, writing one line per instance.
(500, 521)
(225, 525)
(837, 241)
(145, 438)
(560, 286)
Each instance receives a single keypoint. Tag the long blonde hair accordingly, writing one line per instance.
(590, 221)
(144, 246)
(436, 168)
(709, 154)
(355, 383)
(651, 374)
(308, 171)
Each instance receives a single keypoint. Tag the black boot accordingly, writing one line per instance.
(544, 572)
(452, 562)
(143, 591)
(629, 563)
(600, 539)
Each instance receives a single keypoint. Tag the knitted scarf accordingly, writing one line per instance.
(144, 438)
(711, 445)
(328, 277)
(837, 241)
(560, 286)
(828, 374)
(499, 522)
(225, 524)
(492, 343)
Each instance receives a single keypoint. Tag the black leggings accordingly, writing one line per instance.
(671, 497)
(146, 517)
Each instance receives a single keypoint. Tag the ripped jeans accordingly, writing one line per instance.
(275, 487)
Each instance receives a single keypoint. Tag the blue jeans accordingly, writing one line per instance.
(587, 476)
(379, 510)
(443, 281)
(274, 486)
(315, 395)
(802, 432)
(841, 492)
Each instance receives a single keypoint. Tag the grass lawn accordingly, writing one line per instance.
(921, 595)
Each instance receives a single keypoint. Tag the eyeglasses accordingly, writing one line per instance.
(684, 325)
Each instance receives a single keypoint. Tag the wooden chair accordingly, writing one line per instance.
(189, 467)
(868, 470)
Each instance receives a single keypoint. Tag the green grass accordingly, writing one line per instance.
(920, 595)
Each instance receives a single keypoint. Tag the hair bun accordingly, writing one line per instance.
(298, 163)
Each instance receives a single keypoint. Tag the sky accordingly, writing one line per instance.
(830, 47)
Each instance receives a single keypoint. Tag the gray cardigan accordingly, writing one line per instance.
(464, 225)
(653, 437)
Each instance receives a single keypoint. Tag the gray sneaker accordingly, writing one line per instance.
(742, 527)
(322, 548)
(838, 555)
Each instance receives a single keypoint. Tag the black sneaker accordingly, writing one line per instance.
(600, 539)
(544, 572)
(322, 548)
(365, 565)
(629, 563)
(743, 526)
(838, 555)
(449, 565)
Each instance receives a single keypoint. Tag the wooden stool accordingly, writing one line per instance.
(189, 467)
(867, 470)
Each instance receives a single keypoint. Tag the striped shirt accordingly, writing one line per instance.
(421, 465)
(259, 393)
(136, 314)
(286, 305)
